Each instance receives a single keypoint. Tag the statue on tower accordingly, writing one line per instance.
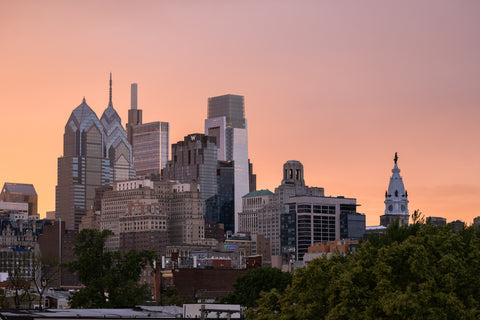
(396, 158)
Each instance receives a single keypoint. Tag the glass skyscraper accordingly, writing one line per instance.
(95, 153)
(83, 166)
(226, 121)
(117, 148)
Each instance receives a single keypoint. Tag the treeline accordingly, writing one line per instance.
(415, 272)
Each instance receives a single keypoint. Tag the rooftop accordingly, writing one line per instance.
(20, 188)
(258, 193)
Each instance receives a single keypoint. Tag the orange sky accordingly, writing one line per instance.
(339, 86)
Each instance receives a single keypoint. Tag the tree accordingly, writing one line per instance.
(110, 279)
(171, 297)
(416, 272)
(249, 285)
(18, 279)
(44, 272)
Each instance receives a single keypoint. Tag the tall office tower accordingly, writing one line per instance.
(226, 121)
(150, 141)
(195, 158)
(21, 192)
(396, 200)
(83, 166)
(117, 147)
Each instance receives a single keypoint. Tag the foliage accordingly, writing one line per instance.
(249, 285)
(171, 297)
(110, 279)
(18, 280)
(414, 272)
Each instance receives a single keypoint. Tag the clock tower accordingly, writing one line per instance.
(396, 199)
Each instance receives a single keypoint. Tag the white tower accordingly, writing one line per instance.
(396, 199)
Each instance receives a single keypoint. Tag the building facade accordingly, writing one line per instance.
(83, 166)
(186, 223)
(316, 219)
(150, 141)
(115, 206)
(266, 219)
(144, 227)
(226, 122)
(95, 153)
(21, 193)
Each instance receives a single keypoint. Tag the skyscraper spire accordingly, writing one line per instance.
(110, 93)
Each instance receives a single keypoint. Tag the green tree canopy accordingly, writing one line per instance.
(110, 279)
(415, 272)
(249, 285)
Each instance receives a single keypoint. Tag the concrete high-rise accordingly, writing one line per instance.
(150, 141)
(226, 121)
(195, 158)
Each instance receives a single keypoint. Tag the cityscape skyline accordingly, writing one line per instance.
(339, 97)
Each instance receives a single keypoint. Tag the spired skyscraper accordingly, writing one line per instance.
(396, 200)
(149, 140)
(95, 153)
(117, 147)
(226, 121)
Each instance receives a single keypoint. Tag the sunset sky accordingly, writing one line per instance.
(338, 85)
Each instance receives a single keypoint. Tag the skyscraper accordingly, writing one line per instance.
(226, 121)
(95, 153)
(396, 199)
(117, 147)
(150, 141)
(83, 166)
(195, 158)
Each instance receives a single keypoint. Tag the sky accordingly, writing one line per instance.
(338, 85)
